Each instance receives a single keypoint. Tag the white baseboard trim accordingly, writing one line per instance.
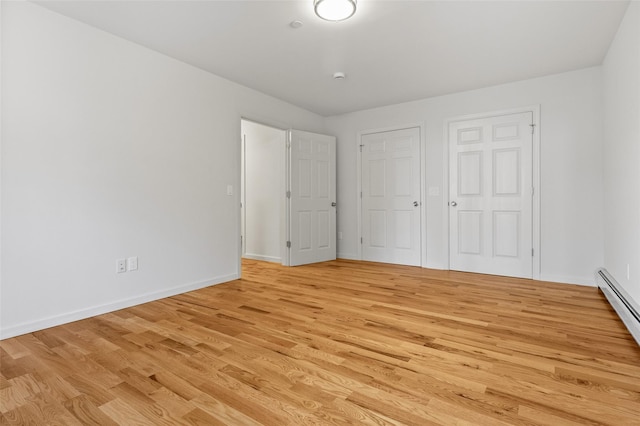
(567, 279)
(347, 256)
(264, 258)
(435, 266)
(41, 324)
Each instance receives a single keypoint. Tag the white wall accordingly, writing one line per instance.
(571, 173)
(111, 150)
(621, 71)
(264, 189)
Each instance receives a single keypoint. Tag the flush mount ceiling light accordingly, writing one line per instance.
(334, 10)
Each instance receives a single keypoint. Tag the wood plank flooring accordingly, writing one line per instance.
(335, 343)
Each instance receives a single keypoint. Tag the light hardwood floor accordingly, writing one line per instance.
(335, 343)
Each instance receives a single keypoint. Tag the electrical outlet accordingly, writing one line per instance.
(121, 266)
(132, 264)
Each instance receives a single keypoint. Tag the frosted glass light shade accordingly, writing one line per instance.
(334, 10)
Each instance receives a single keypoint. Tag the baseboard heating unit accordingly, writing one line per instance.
(626, 308)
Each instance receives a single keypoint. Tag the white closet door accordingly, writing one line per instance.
(391, 197)
(490, 184)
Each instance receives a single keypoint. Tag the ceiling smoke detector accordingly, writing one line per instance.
(339, 75)
(295, 24)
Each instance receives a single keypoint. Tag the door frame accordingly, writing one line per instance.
(241, 180)
(421, 127)
(535, 167)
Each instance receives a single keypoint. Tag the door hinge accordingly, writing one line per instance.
(531, 252)
(288, 194)
(361, 147)
(360, 240)
(360, 194)
(533, 190)
(288, 244)
(533, 128)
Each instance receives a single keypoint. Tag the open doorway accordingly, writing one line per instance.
(288, 195)
(263, 192)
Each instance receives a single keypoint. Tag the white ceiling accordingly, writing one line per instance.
(392, 51)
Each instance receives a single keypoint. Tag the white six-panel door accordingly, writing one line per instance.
(490, 200)
(391, 197)
(312, 186)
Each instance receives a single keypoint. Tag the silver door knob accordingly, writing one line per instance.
(453, 204)
(415, 204)
(333, 204)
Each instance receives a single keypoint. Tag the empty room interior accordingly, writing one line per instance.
(320, 212)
